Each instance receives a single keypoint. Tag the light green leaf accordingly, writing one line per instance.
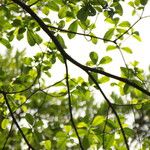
(4, 123)
(47, 145)
(110, 47)
(73, 27)
(82, 125)
(105, 60)
(127, 49)
(103, 79)
(108, 35)
(93, 39)
(98, 120)
(62, 12)
(125, 24)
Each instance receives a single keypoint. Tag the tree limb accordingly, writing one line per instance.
(62, 51)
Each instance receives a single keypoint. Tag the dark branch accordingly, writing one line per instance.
(77, 33)
(113, 109)
(60, 48)
(15, 122)
(70, 105)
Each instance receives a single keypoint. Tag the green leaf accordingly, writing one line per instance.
(5, 43)
(4, 123)
(94, 57)
(47, 144)
(82, 14)
(143, 2)
(108, 35)
(82, 125)
(16, 22)
(91, 10)
(127, 49)
(103, 79)
(105, 60)
(37, 38)
(109, 140)
(125, 24)
(98, 120)
(29, 118)
(30, 38)
(53, 6)
(111, 47)
(136, 35)
(73, 27)
(62, 12)
(129, 132)
(94, 39)
(61, 40)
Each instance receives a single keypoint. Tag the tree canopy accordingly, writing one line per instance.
(42, 105)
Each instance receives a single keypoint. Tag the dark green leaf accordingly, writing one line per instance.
(143, 2)
(94, 57)
(30, 38)
(91, 10)
(61, 40)
(29, 118)
(5, 43)
(82, 14)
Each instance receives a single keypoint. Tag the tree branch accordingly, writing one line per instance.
(70, 105)
(15, 122)
(60, 48)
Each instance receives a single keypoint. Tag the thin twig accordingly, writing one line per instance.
(105, 128)
(113, 109)
(78, 33)
(70, 105)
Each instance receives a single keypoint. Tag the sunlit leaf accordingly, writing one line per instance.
(108, 35)
(105, 60)
(125, 24)
(98, 120)
(73, 27)
(127, 49)
(111, 47)
(4, 123)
